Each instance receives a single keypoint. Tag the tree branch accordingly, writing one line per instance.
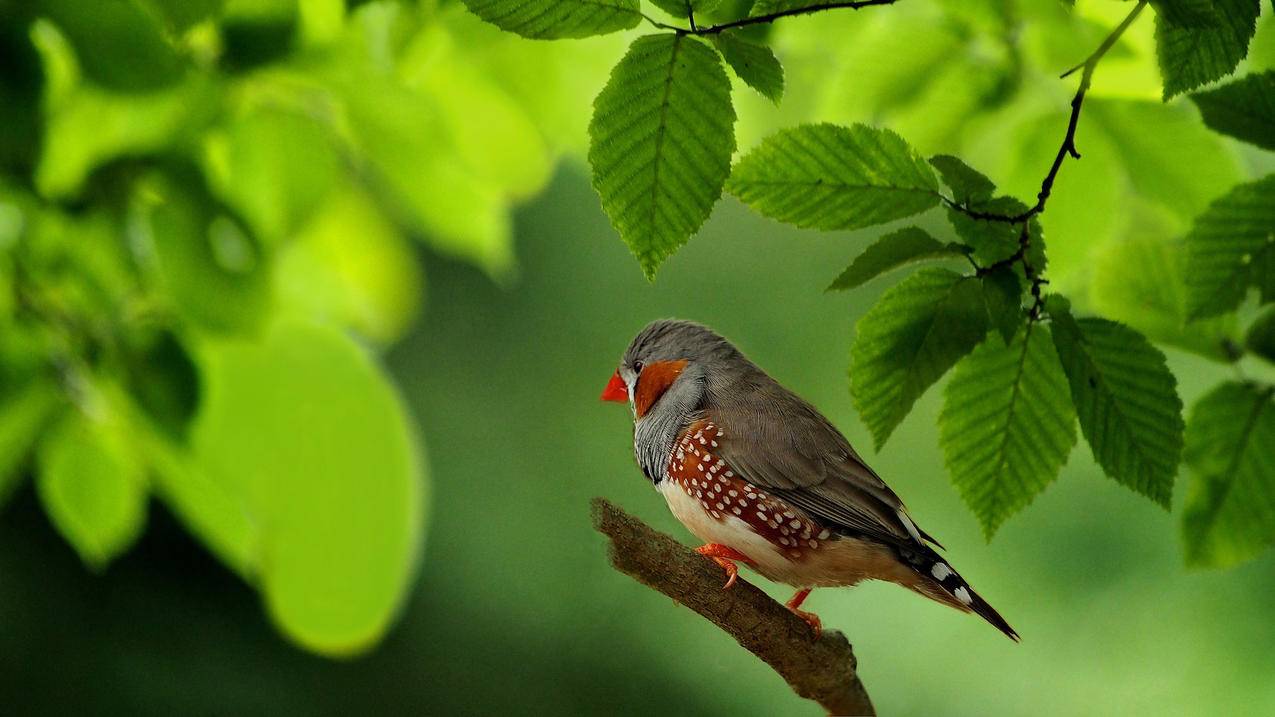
(765, 19)
(821, 669)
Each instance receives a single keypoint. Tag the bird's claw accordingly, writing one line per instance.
(810, 618)
(725, 557)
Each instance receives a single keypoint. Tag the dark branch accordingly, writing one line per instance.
(765, 19)
(821, 669)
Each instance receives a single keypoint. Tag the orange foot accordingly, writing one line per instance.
(811, 619)
(725, 557)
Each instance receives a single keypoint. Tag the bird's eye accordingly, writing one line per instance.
(637, 367)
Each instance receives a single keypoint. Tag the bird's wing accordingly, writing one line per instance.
(779, 442)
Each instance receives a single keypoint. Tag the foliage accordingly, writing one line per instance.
(1007, 423)
(206, 217)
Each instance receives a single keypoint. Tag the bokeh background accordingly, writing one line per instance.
(506, 334)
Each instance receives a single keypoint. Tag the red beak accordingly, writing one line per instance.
(616, 390)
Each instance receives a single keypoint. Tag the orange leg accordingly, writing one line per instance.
(725, 556)
(811, 619)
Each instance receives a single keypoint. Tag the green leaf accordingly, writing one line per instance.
(1232, 247)
(1192, 56)
(1229, 515)
(1186, 13)
(831, 177)
(662, 136)
(896, 249)
(92, 486)
(119, 44)
(551, 19)
(756, 65)
(1260, 337)
(1007, 425)
(683, 8)
(1142, 282)
(968, 185)
(1003, 293)
(770, 7)
(995, 241)
(23, 414)
(1243, 109)
(1126, 399)
(908, 340)
(207, 262)
(306, 430)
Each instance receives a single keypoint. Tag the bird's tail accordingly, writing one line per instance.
(938, 581)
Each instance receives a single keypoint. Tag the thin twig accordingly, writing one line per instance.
(822, 669)
(764, 19)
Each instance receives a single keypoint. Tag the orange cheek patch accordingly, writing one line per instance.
(654, 381)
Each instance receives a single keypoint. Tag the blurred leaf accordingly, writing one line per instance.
(352, 267)
(20, 87)
(1169, 156)
(255, 32)
(829, 177)
(24, 412)
(1126, 399)
(180, 15)
(551, 19)
(119, 44)
(1140, 282)
(210, 266)
(1243, 109)
(1260, 337)
(92, 127)
(1007, 425)
(92, 485)
(1003, 293)
(1229, 516)
(662, 135)
(161, 377)
(756, 65)
(967, 184)
(1192, 56)
(917, 331)
(1232, 247)
(896, 249)
(275, 168)
(307, 430)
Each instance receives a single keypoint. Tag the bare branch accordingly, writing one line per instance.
(821, 669)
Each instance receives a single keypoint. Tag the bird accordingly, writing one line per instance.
(764, 479)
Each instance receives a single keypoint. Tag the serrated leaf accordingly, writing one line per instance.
(908, 340)
(968, 185)
(1229, 514)
(995, 241)
(1003, 294)
(92, 486)
(1192, 56)
(552, 19)
(1142, 282)
(827, 176)
(683, 8)
(892, 251)
(1007, 425)
(1243, 109)
(756, 65)
(1232, 247)
(1260, 337)
(1126, 400)
(1187, 13)
(662, 136)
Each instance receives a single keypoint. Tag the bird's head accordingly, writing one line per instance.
(672, 364)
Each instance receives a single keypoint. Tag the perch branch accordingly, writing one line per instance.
(821, 669)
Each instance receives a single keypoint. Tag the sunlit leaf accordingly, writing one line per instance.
(1007, 424)
(1126, 399)
(830, 177)
(756, 65)
(896, 249)
(93, 486)
(305, 428)
(661, 139)
(917, 331)
(1229, 515)
(1231, 248)
(1192, 56)
(24, 412)
(546, 19)
(1243, 109)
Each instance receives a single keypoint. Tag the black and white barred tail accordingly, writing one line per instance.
(942, 583)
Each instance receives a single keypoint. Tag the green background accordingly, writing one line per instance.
(513, 608)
